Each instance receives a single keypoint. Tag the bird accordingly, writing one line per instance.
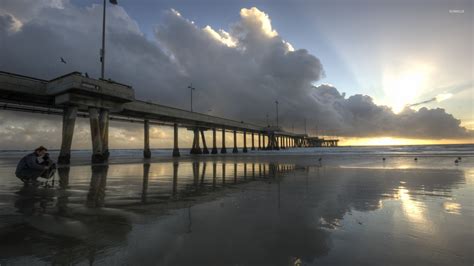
(87, 75)
(456, 161)
(459, 158)
(63, 61)
(320, 159)
(383, 159)
(416, 159)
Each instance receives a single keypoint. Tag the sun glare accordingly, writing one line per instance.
(402, 87)
(390, 141)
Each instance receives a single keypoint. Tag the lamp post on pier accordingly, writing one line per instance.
(191, 88)
(102, 50)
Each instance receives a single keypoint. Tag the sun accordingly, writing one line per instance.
(403, 86)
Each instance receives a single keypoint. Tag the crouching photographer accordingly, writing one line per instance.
(34, 165)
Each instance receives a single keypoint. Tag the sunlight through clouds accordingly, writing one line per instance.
(403, 86)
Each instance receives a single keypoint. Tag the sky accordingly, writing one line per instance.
(369, 72)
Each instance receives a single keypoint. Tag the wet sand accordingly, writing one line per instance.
(274, 209)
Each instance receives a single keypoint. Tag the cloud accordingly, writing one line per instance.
(359, 116)
(238, 72)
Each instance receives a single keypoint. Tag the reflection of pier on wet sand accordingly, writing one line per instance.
(197, 180)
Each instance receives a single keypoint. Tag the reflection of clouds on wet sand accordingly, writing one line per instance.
(452, 207)
(414, 211)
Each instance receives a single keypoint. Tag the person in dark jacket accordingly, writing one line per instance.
(34, 165)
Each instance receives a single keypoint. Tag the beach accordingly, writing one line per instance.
(314, 206)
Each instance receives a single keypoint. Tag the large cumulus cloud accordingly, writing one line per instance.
(238, 72)
(359, 116)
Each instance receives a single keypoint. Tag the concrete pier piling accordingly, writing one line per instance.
(272, 142)
(146, 140)
(69, 121)
(175, 144)
(104, 132)
(235, 150)
(259, 143)
(205, 150)
(223, 149)
(253, 141)
(97, 155)
(196, 148)
(245, 142)
(214, 142)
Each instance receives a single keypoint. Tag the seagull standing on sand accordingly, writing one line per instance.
(63, 61)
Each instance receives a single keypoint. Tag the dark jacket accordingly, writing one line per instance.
(28, 167)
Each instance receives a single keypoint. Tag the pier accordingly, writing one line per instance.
(75, 95)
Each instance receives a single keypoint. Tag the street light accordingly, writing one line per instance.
(191, 88)
(102, 51)
(276, 102)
